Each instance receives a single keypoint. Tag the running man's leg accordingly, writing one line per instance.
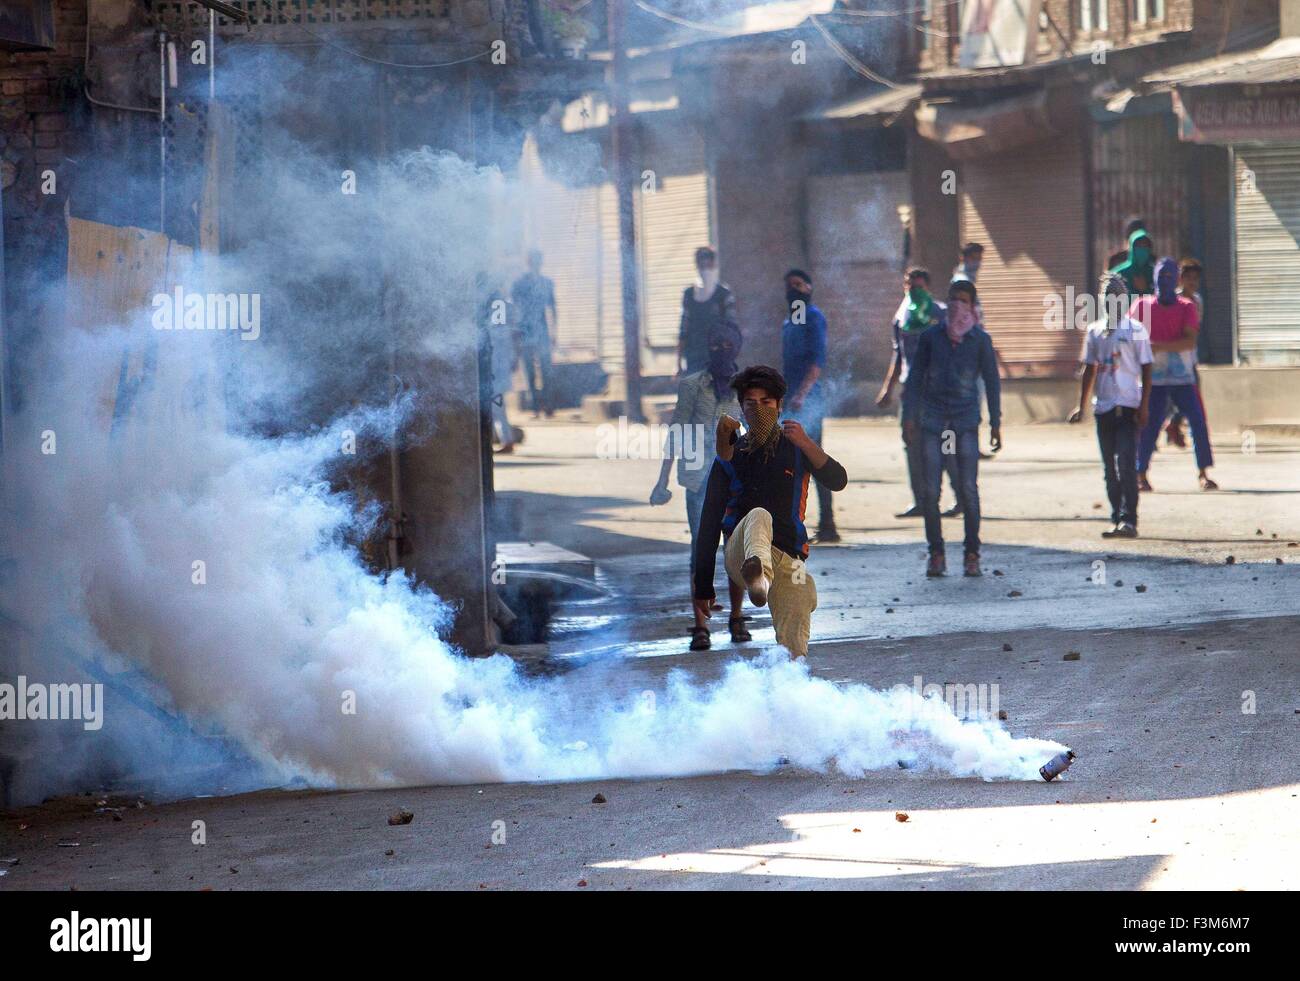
(967, 460)
(1151, 432)
(932, 454)
(792, 599)
(915, 461)
(1125, 463)
(1107, 426)
(1188, 399)
(752, 537)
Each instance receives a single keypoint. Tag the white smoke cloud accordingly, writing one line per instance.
(104, 535)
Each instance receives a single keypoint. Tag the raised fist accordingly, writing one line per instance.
(727, 429)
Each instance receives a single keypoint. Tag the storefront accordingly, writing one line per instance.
(1260, 123)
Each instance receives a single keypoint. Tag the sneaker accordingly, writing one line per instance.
(937, 566)
(1126, 530)
(971, 567)
(953, 512)
(1113, 532)
(912, 512)
(755, 581)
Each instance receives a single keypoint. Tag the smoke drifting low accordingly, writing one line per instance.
(225, 456)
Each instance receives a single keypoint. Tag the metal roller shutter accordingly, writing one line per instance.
(564, 223)
(672, 222)
(856, 252)
(1027, 209)
(1267, 207)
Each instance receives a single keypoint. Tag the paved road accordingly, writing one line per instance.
(1183, 704)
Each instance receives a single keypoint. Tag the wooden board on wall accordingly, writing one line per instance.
(113, 274)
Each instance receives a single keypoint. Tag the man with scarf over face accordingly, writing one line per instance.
(1138, 269)
(1173, 325)
(943, 400)
(703, 399)
(756, 494)
(704, 306)
(917, 313)
(803, 354)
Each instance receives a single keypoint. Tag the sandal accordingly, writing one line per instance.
(1207, 484)
(739, 635)
(700, 639)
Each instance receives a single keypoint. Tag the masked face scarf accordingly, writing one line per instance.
(961, 318)
(763, 430)
(1166, 282)
(1136, 270)
(724, 345)
(920, 309)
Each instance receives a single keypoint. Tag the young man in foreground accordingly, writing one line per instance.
(756, 496)
(1117, 354)
(943, 405)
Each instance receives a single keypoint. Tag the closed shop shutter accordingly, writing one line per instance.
(564, 223)
(856, 251)
(1138, 169)
(672, 222)
(1027, 209)
(1268, 259)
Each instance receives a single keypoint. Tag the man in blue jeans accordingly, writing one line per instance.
(942, 400)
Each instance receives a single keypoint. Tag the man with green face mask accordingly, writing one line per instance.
(916, 314)
(1138, 270)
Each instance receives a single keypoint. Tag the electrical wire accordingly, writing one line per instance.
(682, 21)
(847, 57)
(392, 64)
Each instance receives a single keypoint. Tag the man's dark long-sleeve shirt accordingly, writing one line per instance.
(941, 381)
(747, 481)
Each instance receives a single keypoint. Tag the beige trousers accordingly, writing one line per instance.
(792, 596)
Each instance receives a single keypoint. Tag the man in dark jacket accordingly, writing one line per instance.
(705, 306)
(942, 399)
(756, 495)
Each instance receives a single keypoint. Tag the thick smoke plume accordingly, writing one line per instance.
(227, 454)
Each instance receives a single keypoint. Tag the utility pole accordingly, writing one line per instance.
(620, 140)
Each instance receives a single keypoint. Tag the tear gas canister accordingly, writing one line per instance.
(1057, 765)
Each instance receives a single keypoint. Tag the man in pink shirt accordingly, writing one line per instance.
(1173, 324)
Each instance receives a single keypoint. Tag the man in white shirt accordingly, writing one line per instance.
(1117, 356)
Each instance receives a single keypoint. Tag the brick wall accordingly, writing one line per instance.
(42, 127)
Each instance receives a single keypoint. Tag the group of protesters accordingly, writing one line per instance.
(1138, 362)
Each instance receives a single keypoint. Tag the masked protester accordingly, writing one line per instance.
(803, 351)
(755, 499)
(703, 399)
(1173, 325)
(1117, 357)
(705, 305)
(1138, 270)
(942, 401)
(916, 314)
